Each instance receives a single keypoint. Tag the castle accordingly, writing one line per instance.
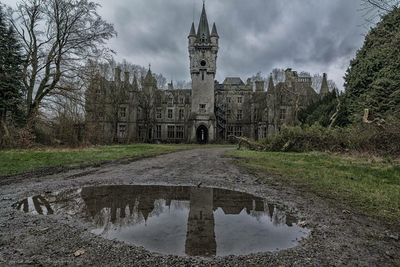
(138, 111)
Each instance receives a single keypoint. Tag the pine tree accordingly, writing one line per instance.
(373, 78)
(10, 73)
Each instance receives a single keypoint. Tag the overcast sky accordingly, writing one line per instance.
(255, 35)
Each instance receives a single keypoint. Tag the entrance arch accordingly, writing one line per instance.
(202, 134)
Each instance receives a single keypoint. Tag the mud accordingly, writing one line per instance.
(338, 235)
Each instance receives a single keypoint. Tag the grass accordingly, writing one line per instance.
(367, 185)
(21, 161)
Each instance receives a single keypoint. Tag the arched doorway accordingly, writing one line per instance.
(202, 134)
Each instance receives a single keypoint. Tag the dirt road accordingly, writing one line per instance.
(338, 237)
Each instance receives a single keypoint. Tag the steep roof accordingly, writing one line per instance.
(192, 31)
(324, 86)
(233, 81)
(203, 32)
(214, 32)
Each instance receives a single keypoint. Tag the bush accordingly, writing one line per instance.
(364, 138)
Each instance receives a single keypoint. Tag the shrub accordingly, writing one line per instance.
(365, 138)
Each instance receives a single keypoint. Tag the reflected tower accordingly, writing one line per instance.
(200, 238)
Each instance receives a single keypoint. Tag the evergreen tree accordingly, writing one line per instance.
(321, 112)
(373, 78)
(10, 73)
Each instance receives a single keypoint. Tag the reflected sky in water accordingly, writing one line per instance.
(178, 220)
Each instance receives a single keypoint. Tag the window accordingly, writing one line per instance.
(283, 114)
(170, 100)
(228, 113)
(238, 131)
(158, 131)
(202, 108)
(181, 114)
(170, 113)
(159, 113)
(122, 112)
(240, 100)
(181, 100)
(230, 131)
(239, 114)
(264, 132)
(171, 132)
(122, 130)
(179, 132)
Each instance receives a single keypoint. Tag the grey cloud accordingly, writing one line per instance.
(256, 35)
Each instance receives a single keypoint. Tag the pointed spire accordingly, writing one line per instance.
(203, 32)
(192, 31)
(214, 32)
(324, 86)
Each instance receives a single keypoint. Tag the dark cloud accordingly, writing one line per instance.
(256, 35)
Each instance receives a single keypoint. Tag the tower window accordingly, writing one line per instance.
(202, 75)
(202, 108)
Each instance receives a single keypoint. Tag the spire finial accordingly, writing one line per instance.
(149, 66)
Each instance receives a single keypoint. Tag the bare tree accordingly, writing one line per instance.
(58, 36)
(373, 9)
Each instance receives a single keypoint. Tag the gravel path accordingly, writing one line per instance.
(338, 237)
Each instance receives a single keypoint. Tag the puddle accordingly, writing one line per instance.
(177, 220)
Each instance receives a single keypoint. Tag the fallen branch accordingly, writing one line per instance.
(247, 143)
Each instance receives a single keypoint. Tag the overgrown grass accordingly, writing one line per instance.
(371, 186)
(21, 161)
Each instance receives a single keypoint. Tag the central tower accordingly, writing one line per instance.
(203, 51)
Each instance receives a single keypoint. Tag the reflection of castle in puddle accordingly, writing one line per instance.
(116, 206)
(36, 204)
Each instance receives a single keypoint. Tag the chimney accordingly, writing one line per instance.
(126, 77)
(117, 74)
(260, 85)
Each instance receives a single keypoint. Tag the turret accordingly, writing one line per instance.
(192, 35)
(126, 77)
(271, 85)
(324, 86)
(214, 35)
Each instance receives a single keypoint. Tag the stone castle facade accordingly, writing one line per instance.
(137, 111)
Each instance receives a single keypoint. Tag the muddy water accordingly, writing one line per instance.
(177, 220)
